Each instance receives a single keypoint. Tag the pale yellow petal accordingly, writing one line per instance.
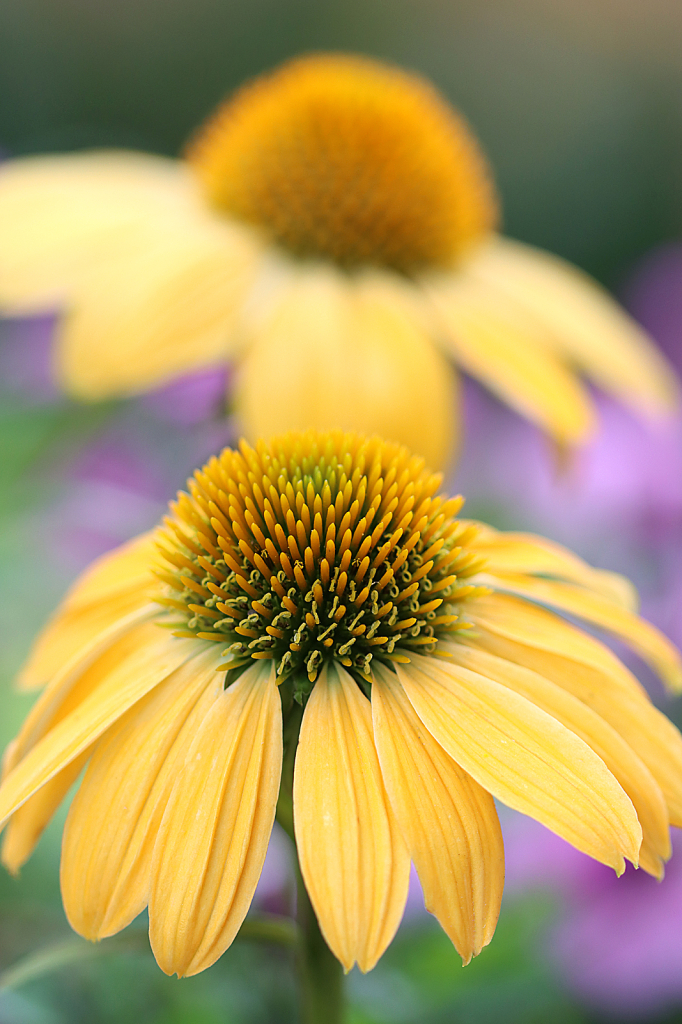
(582, 322)
(525, 758)
(449, 822)
(114, 585)
(651, 645)
(61, 214)
(126, 683)
(508, 359)
(531, 636)
(354, 354)
(526, 553)
(619, 758)
(26, 825)
(353, 859)
(530, 624)
(214, 835)
(81, 675)
(113, 820)
(140, 319)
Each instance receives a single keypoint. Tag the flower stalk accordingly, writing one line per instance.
(320, 975)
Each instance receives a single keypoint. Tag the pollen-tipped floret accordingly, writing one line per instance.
(307, 549)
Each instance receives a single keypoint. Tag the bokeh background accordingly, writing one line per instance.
(579, 106)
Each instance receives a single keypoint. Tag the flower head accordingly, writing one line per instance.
(324, 605)
(332, 230)
(346, 159)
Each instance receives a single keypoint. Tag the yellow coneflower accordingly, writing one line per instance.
(327, 611)
(332, 229)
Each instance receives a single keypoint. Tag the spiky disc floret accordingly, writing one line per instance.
(316, 546)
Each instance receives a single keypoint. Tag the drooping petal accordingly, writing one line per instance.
(525, 757)
(80, 677)
(114, 585)
(215, 831)
(651, 645)
(351, 354)
(530, 624)
(525, 553)
(619, 758)
(582, 322)
(26, 825)
(531, 636)
(353, 859)
(112, 824)
(61, 214)
(449, 822)
(138, 320)
(127, 682)
(508, 359)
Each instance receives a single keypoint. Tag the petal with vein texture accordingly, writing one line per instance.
(114, 585)
(26, 825)
(353, 859)
(582, 322)
(651, 645)
(528, 623)
(531, 555)
(127, 682)
(81, 676)
(619, 758)
(113, 820)
(449, 822)
(532, 636)
(214, 834)
(351, 354)
(490, 346)
(525, 758)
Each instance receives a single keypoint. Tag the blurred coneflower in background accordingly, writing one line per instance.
(333, 230)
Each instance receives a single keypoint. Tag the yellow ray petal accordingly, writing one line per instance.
(525, 757)
(355, 355)
(113, 820)
(80, 676)
(353, 859)
(61, 214)
(26, 825)
(508, 359)
(126, 683)
(449, 822)
(530, 624)
(531, 555)
(582, 322)
(214, 835)
(140, 319)
(114, 585)
(533, 637)
(651, 645)
(619, 758)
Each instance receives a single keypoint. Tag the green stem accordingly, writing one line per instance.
(319, 972)
(320, 975)
(274, 928)
(63, 953)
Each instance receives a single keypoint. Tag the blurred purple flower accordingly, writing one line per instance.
(653, 295)
(26, 361)
(191, 399)
(618, 941)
